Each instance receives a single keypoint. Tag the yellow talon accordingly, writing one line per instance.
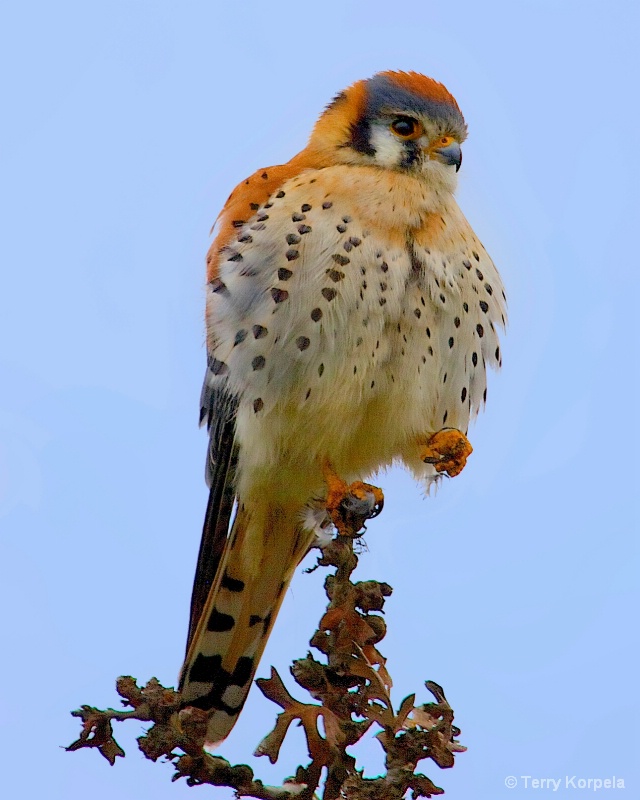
(350, 505)
(447, 450)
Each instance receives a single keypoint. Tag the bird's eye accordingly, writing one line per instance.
(406, 128)
(445, 141)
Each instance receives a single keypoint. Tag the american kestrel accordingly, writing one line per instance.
(351, 313)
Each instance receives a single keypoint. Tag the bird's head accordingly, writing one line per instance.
(401, 121)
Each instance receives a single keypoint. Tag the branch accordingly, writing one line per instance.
(351, 687)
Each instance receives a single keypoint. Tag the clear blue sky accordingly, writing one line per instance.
(126, 125)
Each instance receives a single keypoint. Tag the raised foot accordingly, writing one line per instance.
(447, 450)
(350, 505)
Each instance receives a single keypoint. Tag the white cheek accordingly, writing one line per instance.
(440, 176)
(389, 149)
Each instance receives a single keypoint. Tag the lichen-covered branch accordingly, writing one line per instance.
(349, 689)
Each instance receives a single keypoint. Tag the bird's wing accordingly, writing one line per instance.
(217, 409)
(218, 403)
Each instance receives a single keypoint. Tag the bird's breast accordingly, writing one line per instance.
(342, 331)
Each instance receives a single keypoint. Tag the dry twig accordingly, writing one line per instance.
(352, 689)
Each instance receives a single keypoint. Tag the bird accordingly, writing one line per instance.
(351, 315)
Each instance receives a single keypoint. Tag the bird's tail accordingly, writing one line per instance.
(260, 556)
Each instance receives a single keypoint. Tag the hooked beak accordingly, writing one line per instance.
(450, 155)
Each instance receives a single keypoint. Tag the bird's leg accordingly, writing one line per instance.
(350, 505)
(447, 450)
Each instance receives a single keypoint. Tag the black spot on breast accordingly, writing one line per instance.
(245, 238)
(262, 217)
(238, 223)
(341, 228)
(443, 298)
(466, 264)
(429, 332)
(302, 342)
(254, 619)
(305, 207)
(383, 287)
(335, 275)
(258, 363)
(280, 193)
(466, 307)
(353, 240)
(259, 226)
(284, 274)
(292, 254)
(480, 330)
(480, 275)
(259, 331)
(340, 259)
(292, 238)
(218, 367)
(297, 216)
(220, 622)
(279, 295)
(463, 394)
(484, 306)
(450, 341)
(218, 286)
(235, 257)
(474, 359)
(320, 370)
(417, 312)
(329, 294)
(240, 337)
(384, 266)
(327, 204)
(254, 206)
(382, 301)
(258, 405)
(444, 418)
(316, 314)
(488, 288)
(304, 229)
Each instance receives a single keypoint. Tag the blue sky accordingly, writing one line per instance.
(126, 125)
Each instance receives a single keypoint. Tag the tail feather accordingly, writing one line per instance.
(264, 547)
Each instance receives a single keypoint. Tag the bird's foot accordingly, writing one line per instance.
(447, 450)
(350, 505)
